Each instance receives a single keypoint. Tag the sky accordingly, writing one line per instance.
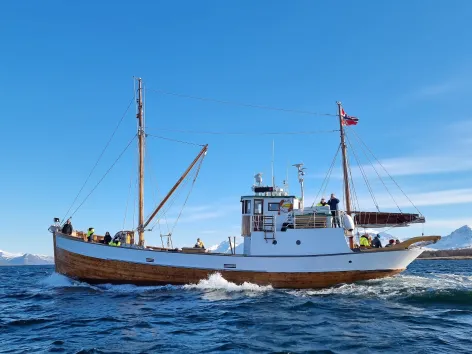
(66, 79)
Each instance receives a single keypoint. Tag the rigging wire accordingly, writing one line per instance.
(188, 194)
(164, 92)
(99, 158)
(364, 175)
(248, 133)
(106, 173)
(153, 177)
(169, 204)
(174, 140)
(127, 201)
(394, 181)
(352, 189)
(328, 175)
(381, 179)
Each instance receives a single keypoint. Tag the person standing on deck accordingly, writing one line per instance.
(376, 242)
(90, 233)
(322, 202)
(67, 228)
(333, 206)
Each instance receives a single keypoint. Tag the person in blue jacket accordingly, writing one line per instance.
(333, 206)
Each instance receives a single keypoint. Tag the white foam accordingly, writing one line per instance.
(217, 282)
(400, 285)
(129, 288)
(56, 280)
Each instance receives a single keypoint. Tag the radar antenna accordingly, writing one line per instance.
(301, 173)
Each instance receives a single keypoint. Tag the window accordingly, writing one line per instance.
(258, 203)
(274, 206)
(246, 205)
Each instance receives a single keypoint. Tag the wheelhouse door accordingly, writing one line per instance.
(258, 214)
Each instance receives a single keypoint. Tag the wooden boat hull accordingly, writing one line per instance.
(71, 260)
(97, 271)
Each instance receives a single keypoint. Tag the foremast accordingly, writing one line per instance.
(141, 137)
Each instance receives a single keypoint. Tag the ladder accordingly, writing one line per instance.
(268, 226)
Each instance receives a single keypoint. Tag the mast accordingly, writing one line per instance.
(201, 153)
(141, 136)
(344, 153)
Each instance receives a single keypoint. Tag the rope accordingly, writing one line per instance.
(99, 158)
(106, 173)
(248, 133)
(241, 104)
(175, 140)
(394, 181)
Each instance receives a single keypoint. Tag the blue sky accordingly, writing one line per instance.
(66, 72)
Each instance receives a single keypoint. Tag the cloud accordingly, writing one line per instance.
(435, 90)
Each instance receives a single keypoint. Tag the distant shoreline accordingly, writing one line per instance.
(465, 253)
(457, 258)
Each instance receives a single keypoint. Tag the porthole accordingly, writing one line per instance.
(274, 242)
(350, 261)
(298, 242)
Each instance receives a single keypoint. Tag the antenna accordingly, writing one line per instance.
(273, 154)
(301, 173)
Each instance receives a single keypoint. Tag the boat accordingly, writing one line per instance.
(286, 244)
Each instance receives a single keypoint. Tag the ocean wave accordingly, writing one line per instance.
(421, 289)
(213, 282)
(217, 282)
(56, 280)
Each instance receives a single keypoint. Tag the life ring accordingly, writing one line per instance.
(285, 207)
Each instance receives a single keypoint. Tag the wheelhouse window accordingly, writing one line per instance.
(274, 206)
(246, 205)
(258, 204)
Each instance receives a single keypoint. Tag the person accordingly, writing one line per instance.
(364, 241)
(376, 242)
(391, 242)
(90, 233)
(107, 238)
(397, 241)
(199, 244)
(333, 206)
(115, 242)
(67, 228)
(322, 202)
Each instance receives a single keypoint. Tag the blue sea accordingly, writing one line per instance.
(426, 309)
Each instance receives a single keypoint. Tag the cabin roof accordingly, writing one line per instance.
(268, 196)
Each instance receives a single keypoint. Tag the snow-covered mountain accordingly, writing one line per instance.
(461, 238)
(224, 247)
(7, 258)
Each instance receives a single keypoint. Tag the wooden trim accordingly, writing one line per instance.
(405, 244)
(99, 271)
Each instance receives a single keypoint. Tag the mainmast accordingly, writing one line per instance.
(344, 153)
(141, 137)
(345, 170)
